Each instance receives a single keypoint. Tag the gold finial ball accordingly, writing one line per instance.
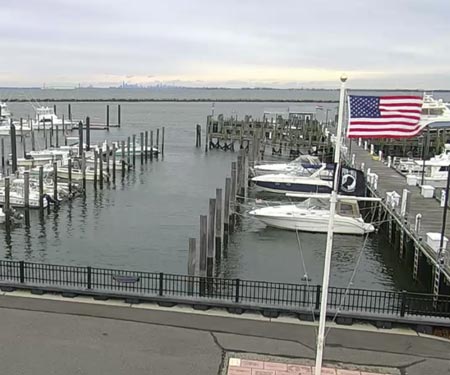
(344, 78)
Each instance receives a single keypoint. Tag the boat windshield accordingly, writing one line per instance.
(315, 203)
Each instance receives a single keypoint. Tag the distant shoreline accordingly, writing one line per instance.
(17, 100)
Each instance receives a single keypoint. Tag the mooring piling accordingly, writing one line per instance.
(41, 188)
(226, 212)
(163, 130)
(26, 189)
(114, 163)
(80, 138)
(13, 147)
(198, 136)
(95, 169)
(211, 237)
(3, 153)
(83, 170)
(88, 133)
(107, 116)
(55, 181)
(134, 150)
(118, 116)
(146, 146)
(203, 252)
(107, 163)
(6, 206)
(129, 151)
(123, 158)
(218, 234)
(151, 145)
(142, 147)
(69, 172)
(100, 169)
(157, 140)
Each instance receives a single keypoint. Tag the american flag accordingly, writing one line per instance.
(384, 116)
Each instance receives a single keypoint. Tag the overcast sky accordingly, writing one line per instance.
(232, 43)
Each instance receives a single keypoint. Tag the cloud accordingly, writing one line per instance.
(252, 42)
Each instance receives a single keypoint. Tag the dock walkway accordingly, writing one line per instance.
(389, 180)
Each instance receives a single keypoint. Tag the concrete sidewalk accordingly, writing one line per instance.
(83, 336)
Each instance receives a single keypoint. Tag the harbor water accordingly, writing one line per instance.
(144, 222)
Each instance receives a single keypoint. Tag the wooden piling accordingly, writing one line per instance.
(55, 181)
(157, 139)
(146, 146)
(211, 236)
(239, 178)
(21, 130)
(95, 169)
(114, 163)
(151, 145)
(118, 116)
(88, 133)
(41, 188)
(64, 129)
(226, 212)
(233, 195)
(207, 135)
(83, 171)
(107, 163)
(6, 206)
(33, 141)
(203, 252)
(142, 148)
(26, 189)
(129, 151)
(107, 116)
(134, 150)
(162, 140)
(198, 136)
(51, 133)
(191, 264)
(69, 171)
(69, 112)
(3, 152)
(13, 148)
(100, 169)
(218, 240)
(123, 159)
(80, 138)
(54, 109)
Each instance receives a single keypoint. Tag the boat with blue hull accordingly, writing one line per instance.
(318, 182)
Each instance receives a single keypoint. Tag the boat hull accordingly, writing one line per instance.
(283, 188)
(317, 225)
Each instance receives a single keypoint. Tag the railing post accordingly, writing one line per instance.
(237, 290)
(403, 304)
(161, 283)
(89, 277)
(318, 294)
(22, 271)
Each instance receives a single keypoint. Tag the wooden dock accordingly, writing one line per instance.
(403, 230)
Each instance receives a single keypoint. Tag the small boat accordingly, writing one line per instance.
(313, 215)
(46, 119)
(318, 182)
(77, 173)
(302, 164)
(138, 150)
(16, 199)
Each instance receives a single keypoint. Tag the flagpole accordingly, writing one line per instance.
(329, 247)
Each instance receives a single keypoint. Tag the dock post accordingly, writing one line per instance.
(151, 145)
(107, 163)
(88, 133)
(64, 129)
(83, 170)
(226, 213)
(95, 169)
(146, 146)
(41, 188)
(198, 136)
(157, 140)
(55, 181)
(13, 148)
(207, 127)
(80, 138)
(233, 195)
(57, 136)
(142, 148)
(26, 190)
(123, 158)
(51, 133)
(211, 230)
(69, 112)
(134, 150)
(191, 263)
(218, 240)
(54, 109)
(107, 116)
(405, 204)
(114, 163)
(100, 169)
(163, 130)
(69, 172)
(6, 207)
(203, 252)
(118, 116)
(3, 152)
(21, 130)
(33, 141)
(129, 151)
(239, 175)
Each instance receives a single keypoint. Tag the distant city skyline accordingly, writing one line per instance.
(253, 43)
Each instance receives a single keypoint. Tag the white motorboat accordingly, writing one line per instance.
(435, 169)
(318, 182)
(313, 215)
(77, 173)
(16, 199)
(46, 119)
(435, 113)
(302, 164)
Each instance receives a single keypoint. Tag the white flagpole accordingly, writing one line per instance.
(329, 248)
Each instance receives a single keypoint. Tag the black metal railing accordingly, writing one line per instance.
(261, 294)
